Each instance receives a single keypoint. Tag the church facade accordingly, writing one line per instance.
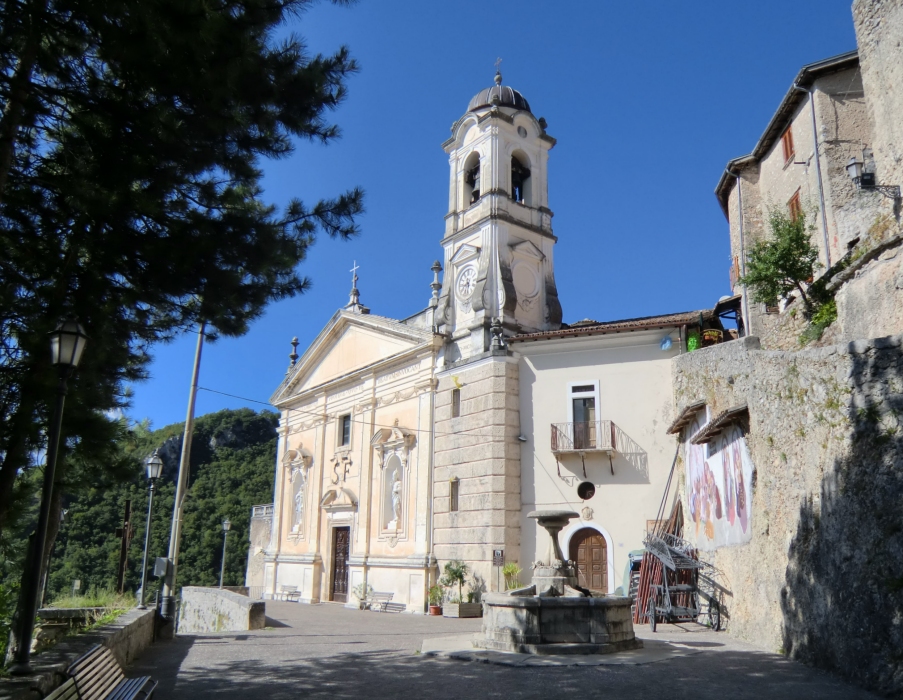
(407, 443)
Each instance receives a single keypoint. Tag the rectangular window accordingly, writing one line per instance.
(344, 430)
(584, 423)
(794, 206)
(453, 493)
(456, 403)
(787, 144)
(585, 388)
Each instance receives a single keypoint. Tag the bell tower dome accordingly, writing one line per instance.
(498, 239)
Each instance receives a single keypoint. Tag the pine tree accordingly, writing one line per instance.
(131, 138)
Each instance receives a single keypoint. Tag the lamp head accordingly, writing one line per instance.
(67, 343)
(154, 466)
(854, 168)
(226, 526)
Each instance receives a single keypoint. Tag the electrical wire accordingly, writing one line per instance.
(353, 420)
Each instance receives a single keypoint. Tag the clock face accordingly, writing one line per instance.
(467, 279)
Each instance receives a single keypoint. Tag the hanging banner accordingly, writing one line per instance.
(719, 487)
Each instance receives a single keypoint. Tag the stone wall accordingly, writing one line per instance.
(821, 578)
(879, 35)
(480, 449)
(218, 610)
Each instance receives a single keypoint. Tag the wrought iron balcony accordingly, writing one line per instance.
(591, 436)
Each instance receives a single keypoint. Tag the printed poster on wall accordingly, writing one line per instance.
(719, 487)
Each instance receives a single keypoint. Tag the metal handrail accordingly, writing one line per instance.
(263, 511)
(580, 436)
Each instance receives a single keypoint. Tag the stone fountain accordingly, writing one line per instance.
(554, 615)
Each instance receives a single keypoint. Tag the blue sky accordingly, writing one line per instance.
(648, 101)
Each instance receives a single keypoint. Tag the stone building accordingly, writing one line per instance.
(800, 164)
(801, 448)
(407, 443)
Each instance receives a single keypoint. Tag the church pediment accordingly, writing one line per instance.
(391, 437)
(464, 253)
(528, 250)
(338, 499)
(350, 342)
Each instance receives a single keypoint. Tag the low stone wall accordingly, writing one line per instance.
(218, 610)
(127, 637)
(822, 577)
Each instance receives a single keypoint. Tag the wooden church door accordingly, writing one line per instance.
(340, 551)
(589, 551)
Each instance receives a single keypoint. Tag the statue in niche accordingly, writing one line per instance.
(298, 509)
(396, 501)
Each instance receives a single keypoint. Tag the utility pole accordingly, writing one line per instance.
(167, 608)
(125, 534)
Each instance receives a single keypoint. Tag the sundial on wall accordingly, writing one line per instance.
(467, 279)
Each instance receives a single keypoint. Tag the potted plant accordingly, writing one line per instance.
(511, 571)
(435, 598)
(455, 575)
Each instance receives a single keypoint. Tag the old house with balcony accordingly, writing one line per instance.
(408, 443)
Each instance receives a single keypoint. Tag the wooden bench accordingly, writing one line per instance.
(382, 602)
(98, 676)
(67, 691)
(289, 593)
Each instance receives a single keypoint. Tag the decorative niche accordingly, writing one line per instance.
(393, 447)
(297, 464)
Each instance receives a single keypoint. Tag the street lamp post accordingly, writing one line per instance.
(154, 469)
(63, 512)
(67, 343)
(222, 569)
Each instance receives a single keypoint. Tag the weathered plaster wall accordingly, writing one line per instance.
(259, 539)
(821, 578)
(879, 35)
(218, 610)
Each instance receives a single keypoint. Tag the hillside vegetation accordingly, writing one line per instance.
(232, 458)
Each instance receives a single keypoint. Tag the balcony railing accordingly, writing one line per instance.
(265, 511)
(587, 436)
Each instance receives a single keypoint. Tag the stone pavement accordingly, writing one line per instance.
(329, 651)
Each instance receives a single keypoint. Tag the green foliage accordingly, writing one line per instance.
(511, 571)
(455, 574)
(131, 142)
(782, 264)
(360, 591)
(232, 457)
(435, 594)
(823, 317)
(95, 598)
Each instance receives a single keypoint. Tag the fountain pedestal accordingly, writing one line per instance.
(553, 615)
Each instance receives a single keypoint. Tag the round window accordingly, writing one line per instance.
(522, 131)
(586, 490)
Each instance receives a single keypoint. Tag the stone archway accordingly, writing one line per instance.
(589, 550)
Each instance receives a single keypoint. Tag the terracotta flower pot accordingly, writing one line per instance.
(435, 610)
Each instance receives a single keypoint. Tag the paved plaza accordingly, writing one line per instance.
(329, 651)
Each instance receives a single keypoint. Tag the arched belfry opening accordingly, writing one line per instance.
(521, 185)
(472, 189)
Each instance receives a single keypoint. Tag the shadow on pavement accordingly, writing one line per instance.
(382, 674)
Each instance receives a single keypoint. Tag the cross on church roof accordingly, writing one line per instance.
(353, 272)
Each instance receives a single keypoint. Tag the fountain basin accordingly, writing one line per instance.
(559, 625)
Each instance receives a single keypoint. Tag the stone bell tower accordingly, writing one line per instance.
(498, 239)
